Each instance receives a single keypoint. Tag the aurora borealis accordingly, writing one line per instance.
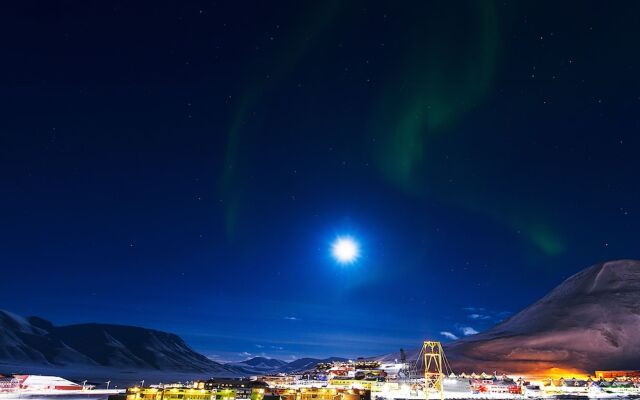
(186, 166)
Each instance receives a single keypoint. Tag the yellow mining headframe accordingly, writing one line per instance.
(433, 372)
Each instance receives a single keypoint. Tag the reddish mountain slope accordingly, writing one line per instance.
(590, 321)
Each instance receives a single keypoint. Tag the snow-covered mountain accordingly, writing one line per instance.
(34, 345)
(258, 366)
(264, 366)
(590, 321)
(35, 342)
(22, 342)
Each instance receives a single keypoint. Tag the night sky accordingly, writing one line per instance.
(186, 166)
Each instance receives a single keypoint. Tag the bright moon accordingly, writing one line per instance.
(345, 250)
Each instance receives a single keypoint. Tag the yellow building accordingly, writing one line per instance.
(373, 386)
(321, 394)
(181, 393)
(617, 374)
(136, 393)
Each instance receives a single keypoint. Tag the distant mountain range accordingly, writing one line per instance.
(257, 366)
(589, 322)
(263, 365)
(35, 344)
(33, 341)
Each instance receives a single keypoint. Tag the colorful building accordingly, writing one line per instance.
(617, 374)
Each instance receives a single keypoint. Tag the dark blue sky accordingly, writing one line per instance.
(185, 166)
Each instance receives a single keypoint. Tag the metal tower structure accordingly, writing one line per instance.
(433, 372)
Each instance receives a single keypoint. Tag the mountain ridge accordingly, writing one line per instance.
(264, 365)
(34, 341)
(588, 322)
